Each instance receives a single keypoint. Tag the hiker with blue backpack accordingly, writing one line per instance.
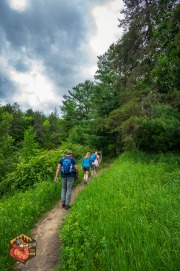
(86, 165)
(95, 163)
(67, 166)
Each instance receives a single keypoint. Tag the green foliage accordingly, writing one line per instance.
(29, 172)
(39, 168)
(106, 72)
(6, 144)
(17, 124)
(30, 146)
(160, 131)
(20, 210)
(149, 76)
(157, 131)
(119, 128)
(20, 213)
(79, 134)
(165, 74)
(127, 218)
(105, 99)
(76, 108)
(105, 94)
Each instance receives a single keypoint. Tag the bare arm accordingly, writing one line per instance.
(76, 169)
(98, 158)
(57, 172)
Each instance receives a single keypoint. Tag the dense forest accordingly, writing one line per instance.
(132, 104)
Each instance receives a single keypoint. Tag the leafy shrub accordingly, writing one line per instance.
(37, 169)
(157, 132)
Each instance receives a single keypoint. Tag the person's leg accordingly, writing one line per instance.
(87, 175)
(63, 191)
(87, 172)
(84, 171)
(70, 182)
(84, 179)
(93, 170)
(84, 174)
(95, 167)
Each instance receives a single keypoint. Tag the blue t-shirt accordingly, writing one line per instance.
(73, 161)
(86, 162)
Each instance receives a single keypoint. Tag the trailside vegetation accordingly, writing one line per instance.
(20, 212)
(37, 169)
(28, 193)
(127, 218)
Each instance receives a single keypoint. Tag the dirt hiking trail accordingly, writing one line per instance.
(46, 235)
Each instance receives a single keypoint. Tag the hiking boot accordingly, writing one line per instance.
(85, 182)
(67, 207)
(63, 204)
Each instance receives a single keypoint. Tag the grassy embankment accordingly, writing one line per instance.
(20, 212)
(32, 192)
(127, 218)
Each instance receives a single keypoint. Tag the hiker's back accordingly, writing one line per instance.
(67, 165)
(86, 162)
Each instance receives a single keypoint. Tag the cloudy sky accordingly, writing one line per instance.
(47, 47)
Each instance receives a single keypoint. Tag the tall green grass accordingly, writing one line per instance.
(29, 192)
(127, 218)
(20, 213)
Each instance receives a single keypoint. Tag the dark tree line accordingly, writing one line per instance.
(135, 96)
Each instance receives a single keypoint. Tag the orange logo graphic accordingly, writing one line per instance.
(22, 248)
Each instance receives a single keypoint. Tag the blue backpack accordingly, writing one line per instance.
(67, 166)
(93, 157)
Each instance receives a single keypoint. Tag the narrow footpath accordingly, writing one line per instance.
(46, 235)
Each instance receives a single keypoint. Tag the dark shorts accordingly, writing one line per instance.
(86, 168)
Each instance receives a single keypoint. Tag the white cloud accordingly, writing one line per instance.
(35, 89)
(107, 30)
(51, 48)
(19, 5)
